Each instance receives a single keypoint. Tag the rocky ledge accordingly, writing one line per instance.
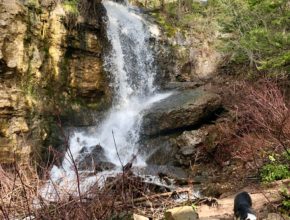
(181, 110)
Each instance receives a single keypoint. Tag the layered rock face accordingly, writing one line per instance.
(50, 66)
(13, 124)
(172, 127)
(180, 110)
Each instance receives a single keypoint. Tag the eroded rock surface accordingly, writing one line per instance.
(48, 67)
(180, 110)
(94, 159)
(180, 149)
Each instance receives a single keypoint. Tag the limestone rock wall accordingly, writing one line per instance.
(196, 59)
(48, 68)
(188, 56)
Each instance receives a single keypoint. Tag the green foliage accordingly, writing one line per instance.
(272, 172)
(186, 17)
(194, 207)
(253, 32)
(32, 3)
(259, 31)
(286, 199)
(275, 170)
(71, 6)
(163, 22)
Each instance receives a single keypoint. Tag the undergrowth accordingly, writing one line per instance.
(277, 169)
(256, 128)
(71, 6)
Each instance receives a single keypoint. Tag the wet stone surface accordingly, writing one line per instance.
(94, 159)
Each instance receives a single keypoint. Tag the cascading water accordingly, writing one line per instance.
(131, 64)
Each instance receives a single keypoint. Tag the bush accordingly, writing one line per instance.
(257, 125)
(262, 111)
(259, 32)
(71, 6)
(273, 171)
(277, 169)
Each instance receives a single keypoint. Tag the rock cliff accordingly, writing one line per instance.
(50, 67)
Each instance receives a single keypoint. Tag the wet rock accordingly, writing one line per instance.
(183, 85)
(87, 85)
(164, 145)
(94, 159)
(104, 165)
(180, 111)
(181, 213)
(173, 172)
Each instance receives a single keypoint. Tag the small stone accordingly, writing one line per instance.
(139, 217)
(181, 213)
(187, 150)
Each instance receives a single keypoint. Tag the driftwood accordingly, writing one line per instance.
(159, 195)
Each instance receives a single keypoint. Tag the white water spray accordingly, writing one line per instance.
(131, 64)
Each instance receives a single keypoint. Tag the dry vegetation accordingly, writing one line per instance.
(257, 125)
(21, 197)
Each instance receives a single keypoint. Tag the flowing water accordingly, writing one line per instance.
(131, 64)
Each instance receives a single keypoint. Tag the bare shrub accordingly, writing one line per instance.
(263, 110)
(20, 198)
(18, 187)
(260, 123)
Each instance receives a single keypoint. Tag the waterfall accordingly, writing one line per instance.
(131, 64)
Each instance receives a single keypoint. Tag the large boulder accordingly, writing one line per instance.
(179, 111)
(179, 149)
(163, 145)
